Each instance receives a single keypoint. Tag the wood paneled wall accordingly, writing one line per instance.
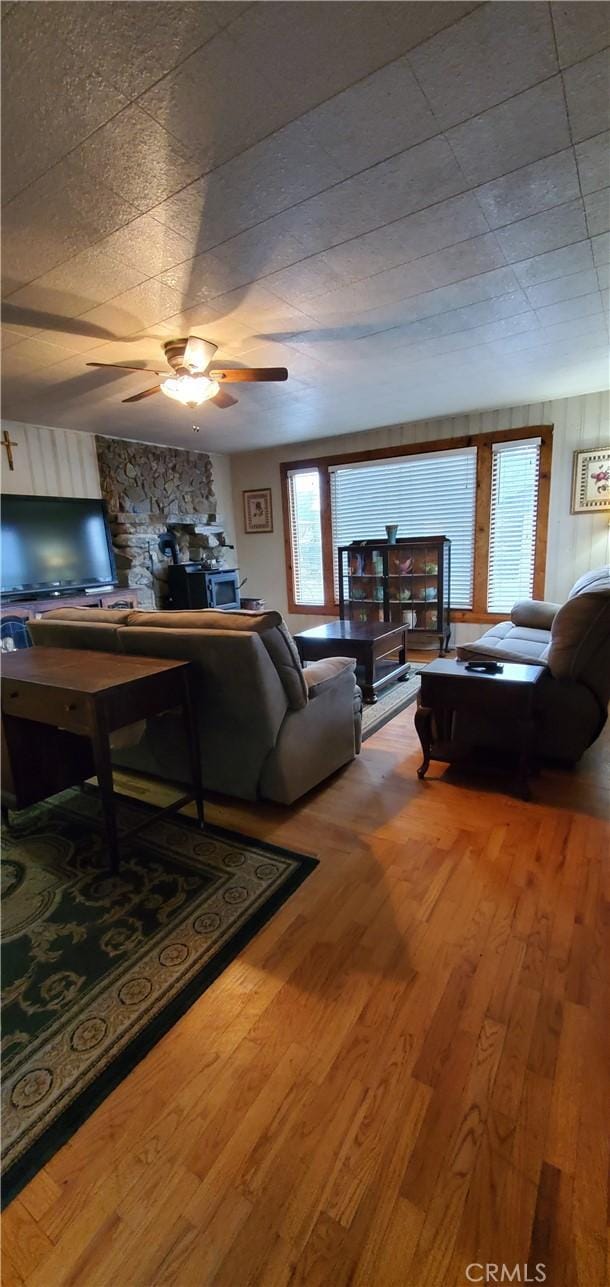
(575, 542)
(50, 462)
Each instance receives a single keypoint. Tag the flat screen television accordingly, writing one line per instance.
(53, 545)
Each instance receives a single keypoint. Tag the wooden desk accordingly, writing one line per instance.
(367, 641)
(59, 708)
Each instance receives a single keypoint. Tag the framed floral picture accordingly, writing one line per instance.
(591, 481)
(258, 512)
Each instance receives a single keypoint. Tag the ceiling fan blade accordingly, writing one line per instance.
(249, 374)
(198, 353)
(224, 400)
(147, 393)
(122, 366)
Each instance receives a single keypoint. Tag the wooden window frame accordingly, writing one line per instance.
(484, 443)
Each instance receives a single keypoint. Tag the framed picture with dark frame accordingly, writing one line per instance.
(258, 511)
(591, 481)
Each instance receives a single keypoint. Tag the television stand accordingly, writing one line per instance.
(29, 609)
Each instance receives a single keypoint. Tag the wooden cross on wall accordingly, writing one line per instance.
(9, 444)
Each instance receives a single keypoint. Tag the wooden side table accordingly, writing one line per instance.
(59, 709)
(446, 687)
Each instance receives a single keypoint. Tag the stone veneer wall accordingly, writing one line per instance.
(149, 490)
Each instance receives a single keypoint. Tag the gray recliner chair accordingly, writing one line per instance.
(572, 642)
(268, 728)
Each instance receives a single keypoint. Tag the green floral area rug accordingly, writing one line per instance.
(97, 967)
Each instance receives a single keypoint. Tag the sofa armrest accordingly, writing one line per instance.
(534, 613)
(319, 675)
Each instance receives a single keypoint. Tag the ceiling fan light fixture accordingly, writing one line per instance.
(190, 390)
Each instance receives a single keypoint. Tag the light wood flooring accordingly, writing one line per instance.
(401, 1076)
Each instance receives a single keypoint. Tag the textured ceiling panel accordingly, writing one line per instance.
(525, 128)
(406, 204)
(581, 29)
(381, 115)
(597, 210)
(511, 46)
(593, 157)
(562, 288)
(141, 42)
(533, 188)
(135, 157)
(587, 96)
(542, 232)
(35, 64)
(56, 217)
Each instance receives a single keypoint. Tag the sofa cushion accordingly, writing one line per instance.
(205, 619)
(535, 613)
(101, 636)
(270, 626)
(319, 674)
(111, 616)
(506, 642)
(598, 579)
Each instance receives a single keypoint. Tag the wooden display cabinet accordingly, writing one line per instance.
(408, 582)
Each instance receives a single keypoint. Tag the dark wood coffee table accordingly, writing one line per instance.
(447, 686)
(367, 641)
(59, 708)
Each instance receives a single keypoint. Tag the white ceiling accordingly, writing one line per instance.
(406, 204)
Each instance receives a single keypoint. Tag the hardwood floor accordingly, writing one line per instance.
(404, 1074)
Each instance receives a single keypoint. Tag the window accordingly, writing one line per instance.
(306, 537)
(512, 527)
(432, 494)
(488, 492)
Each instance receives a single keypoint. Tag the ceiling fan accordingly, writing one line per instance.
(195, 380)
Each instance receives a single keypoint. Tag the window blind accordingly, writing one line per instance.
(512, 532)
(432, 494)
(306, 536)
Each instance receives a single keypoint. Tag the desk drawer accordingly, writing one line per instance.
(59, 707)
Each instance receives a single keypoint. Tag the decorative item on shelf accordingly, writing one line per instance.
(391, 529)
(358, 590)
(377, 563)
(431, 568)
(378, 593)
(409, 618)
(591, 481)
(430, 592)
(258, 511)
(404, 594)
(355, 564)
(430, 619)
(405, 566)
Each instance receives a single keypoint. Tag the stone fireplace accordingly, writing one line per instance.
(150, 490)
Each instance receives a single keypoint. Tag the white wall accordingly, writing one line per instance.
(63, 462)
(576, 542)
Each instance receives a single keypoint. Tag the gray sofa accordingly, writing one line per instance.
(268, 727)
(572, 642)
